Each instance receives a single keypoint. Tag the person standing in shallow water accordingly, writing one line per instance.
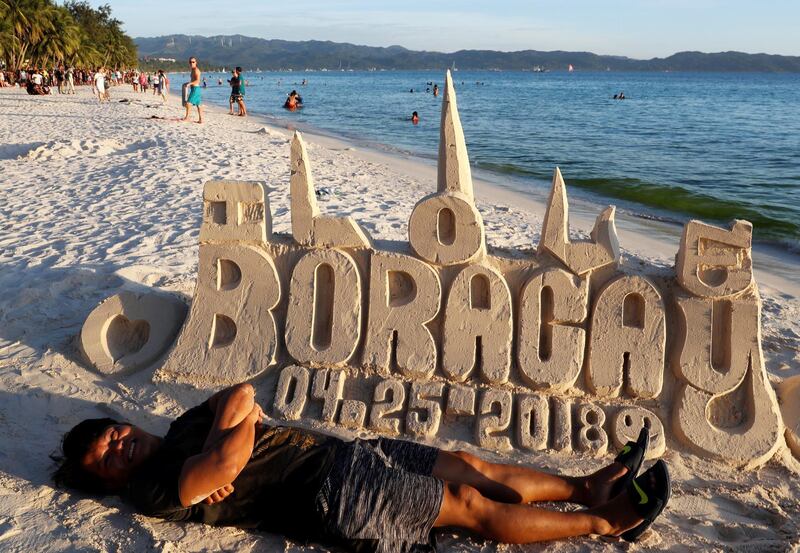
(237, 92)
(195, 92)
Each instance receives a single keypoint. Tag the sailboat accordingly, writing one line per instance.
(570, 68)
(453, 68)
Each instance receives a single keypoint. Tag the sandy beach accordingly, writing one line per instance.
(96, 199)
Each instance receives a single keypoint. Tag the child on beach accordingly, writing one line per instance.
(195, 94)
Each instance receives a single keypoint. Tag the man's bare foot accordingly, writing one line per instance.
(199, 121)
(597, 486)
(242, 115)
(616, 516)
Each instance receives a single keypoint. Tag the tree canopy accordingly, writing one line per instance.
(43, 33)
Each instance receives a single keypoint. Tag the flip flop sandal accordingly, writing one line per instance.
(650, 494)
(632, 456)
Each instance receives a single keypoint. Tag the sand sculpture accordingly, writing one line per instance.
(565, 350)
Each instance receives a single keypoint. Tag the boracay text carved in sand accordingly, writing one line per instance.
(558, 349)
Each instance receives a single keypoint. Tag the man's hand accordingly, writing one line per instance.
(219, 495)
(258, 416)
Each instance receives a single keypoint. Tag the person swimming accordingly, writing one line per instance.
(293, 101)
(415, 118)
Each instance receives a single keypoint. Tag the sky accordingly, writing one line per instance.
(634, 28)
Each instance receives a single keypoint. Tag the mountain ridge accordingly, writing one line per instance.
(274, 54)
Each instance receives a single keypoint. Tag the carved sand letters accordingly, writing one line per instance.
(405, 295)
(478, 326)
(230, 334)
(551, 344)
(235, 212)
(309, 228)
(580, 257)
(714, 262)
(554, 352)
(726, 407)
(445, 228)
(628, 339)
(324, 301)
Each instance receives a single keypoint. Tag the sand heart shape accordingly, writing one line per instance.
(125, 337)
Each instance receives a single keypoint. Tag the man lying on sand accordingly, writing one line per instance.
(219, 464)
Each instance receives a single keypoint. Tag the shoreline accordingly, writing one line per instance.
(639, 235)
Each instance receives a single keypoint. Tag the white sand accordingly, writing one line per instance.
(95, 199)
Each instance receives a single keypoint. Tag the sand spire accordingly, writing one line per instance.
(308, 226)
(454, 172)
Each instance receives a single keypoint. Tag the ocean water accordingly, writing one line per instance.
(681, 145)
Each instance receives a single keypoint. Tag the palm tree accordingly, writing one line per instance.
(59, 42)
(27, 22)
(41, 32)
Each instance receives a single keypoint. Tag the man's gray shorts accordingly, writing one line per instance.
(382, 490)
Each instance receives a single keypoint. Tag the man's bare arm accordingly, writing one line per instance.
(230, 407)
(207, 472)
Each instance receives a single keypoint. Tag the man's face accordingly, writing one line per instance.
(192, 62)
(117, 452)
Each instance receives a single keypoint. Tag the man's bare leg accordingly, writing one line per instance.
(465, 507)
(517, 484)
(188, 107)
(199, 114)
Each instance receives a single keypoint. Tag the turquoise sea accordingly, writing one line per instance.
(681, 145)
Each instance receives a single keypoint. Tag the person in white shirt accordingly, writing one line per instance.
(100, 84)
(70, 81)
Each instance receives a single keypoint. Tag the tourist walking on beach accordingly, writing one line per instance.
(163, 85)
(70, 80)
(59, 74)
(237, 92)
(100, 84)
(195, 92)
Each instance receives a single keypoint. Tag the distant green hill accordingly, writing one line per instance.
(253, 53)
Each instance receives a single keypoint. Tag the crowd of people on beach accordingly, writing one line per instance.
(63, 80)
(38, 80)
